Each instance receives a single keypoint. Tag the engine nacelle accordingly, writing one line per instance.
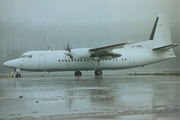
(103, 58)
(80, 53)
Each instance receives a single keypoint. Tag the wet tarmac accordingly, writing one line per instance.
(127, 97)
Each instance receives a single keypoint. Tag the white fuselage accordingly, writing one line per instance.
(59, 61)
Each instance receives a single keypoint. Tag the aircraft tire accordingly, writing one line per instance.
(18, 75)
(98, 72)
(78, 73)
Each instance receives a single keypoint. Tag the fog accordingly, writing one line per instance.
(34, 25)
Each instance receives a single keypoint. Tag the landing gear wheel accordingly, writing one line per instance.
(98, 72)
(77, 73)
(18, 75)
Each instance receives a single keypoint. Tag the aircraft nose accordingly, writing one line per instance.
(7, 64)
(11, 63)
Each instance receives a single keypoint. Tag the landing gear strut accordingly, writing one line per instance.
(78, 73)
(98, 72)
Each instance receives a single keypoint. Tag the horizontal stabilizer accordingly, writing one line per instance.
(166, 47)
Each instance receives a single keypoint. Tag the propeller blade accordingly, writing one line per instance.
(68, 47)
(49, 48)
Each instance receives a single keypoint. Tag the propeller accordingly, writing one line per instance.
(49, 48)
(68, 49)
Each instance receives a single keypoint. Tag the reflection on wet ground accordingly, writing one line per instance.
(89, 97)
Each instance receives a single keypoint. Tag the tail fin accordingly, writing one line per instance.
(161, 35)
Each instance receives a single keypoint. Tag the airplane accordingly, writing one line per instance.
(113, 57)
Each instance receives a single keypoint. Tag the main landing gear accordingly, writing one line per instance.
(97, 73)
(78, 73)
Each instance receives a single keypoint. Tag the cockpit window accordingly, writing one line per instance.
(26, 56)
(30, 56)
(23, 56)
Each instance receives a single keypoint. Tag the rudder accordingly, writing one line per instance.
(160, 34)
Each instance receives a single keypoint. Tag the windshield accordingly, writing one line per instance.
(26, 56)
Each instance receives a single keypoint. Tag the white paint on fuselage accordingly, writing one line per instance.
(58, 61)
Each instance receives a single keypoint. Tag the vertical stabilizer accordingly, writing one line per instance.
(161, 35)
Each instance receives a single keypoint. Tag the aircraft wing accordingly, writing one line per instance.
(104, 53)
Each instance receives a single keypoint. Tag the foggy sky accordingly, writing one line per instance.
(33, 25)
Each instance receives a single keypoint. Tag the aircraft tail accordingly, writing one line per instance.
(161, 36)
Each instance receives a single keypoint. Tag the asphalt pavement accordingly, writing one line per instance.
(127, 97)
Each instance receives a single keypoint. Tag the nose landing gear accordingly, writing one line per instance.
(18, 75)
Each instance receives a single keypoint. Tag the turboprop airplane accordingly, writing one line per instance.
(113, 57)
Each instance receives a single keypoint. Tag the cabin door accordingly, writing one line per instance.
(42, 62)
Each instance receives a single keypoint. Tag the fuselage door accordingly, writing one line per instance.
(42, 62)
